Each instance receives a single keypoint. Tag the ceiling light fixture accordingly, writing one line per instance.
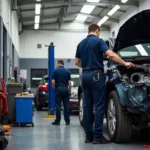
(87, 9)
(93, 1)
(37, 14)
(124, 1)
(81, 18)
(37, 19)
(37, 9)
(113, 10)
(104, 19)
(36, 26)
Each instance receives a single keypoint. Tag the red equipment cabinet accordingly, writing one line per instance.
(3, 101)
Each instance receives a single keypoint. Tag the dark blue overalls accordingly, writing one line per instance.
(90, 51)
(61, 77)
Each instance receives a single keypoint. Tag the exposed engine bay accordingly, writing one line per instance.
(138, 75)
(135, 85)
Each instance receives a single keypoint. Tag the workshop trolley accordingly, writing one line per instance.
(12, 90)
(24, 110)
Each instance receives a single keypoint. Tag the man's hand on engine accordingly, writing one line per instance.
(128, 65)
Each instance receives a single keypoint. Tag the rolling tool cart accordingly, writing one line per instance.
(12, 90)
(24, 110)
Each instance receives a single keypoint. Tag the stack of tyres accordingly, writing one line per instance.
(3, 140)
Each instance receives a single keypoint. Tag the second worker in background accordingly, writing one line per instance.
(61, 81)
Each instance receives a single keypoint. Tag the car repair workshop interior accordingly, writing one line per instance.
(39, 41)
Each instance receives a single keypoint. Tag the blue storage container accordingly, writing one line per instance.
(24, 110)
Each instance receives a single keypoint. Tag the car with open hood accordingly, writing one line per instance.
(128, 90)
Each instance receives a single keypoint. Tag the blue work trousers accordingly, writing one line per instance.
(62, 95)
(93, 85)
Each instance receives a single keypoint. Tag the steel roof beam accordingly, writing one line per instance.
(95, 17)
(68, 15)
(57, 24)
(64, 30)
(63, 13)
(45, 8)
(102, 3)
(54, 7)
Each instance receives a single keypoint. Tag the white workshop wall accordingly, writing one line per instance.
(65, 42)
(6, 14)
(10, 20)
(0, 7)
(143, 5)
(15, 31)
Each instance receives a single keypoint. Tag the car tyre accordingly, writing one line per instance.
(5, 142)
(145, 134)
(1, 145)
(119, 124)
(39, 108)
(81, 109)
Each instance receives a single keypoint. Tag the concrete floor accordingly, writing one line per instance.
(47, 137)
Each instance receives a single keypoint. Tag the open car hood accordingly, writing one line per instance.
(134, 31)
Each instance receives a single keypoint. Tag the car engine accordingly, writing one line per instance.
(140, 78)
(135, 84)
(138, 75)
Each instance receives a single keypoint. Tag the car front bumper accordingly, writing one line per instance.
(74, 104)
(43, 100)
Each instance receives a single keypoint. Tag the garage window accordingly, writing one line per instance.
(36, 76)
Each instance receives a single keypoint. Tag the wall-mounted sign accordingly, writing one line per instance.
(23, 73)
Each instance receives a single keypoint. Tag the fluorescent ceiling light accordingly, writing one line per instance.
(87, 9)
(38, 0)
(104, 19)
(36, 26)
(81, 18)
(37, 19)
(113, 10)
(124, 1)
(141, 50)
(37, 9)
(94, 1)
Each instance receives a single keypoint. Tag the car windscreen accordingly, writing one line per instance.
(136, 50)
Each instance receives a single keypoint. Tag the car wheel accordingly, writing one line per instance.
(145, 134)
(5, 143)
(119, 124)
(39, 108)
(1, 145)
(81, 109)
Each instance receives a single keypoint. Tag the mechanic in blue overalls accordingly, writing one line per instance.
(89, 56)
(61, 81)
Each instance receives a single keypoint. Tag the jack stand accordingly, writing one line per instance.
(6, 128)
